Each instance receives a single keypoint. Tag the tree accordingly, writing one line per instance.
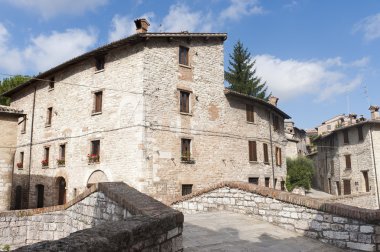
(300, 173)
(8, 84)
(241, 74)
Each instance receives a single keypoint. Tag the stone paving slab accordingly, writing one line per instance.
(226, 231)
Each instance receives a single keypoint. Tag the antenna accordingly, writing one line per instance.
(366, 94)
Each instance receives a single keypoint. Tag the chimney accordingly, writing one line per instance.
(374, 112)
(273, 100)
(141, 25)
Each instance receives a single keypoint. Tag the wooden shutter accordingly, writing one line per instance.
(265, 148)
(185, 149)
(360, 133)
(278, 156)
(98, 101)
(184, 102)
(347, 187)
(183, 55)
(276, 124)
(348, 161)
(49, 116)
(47, 154)
(250, 113)
(252, 151)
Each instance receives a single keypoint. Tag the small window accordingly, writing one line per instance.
(45, 161)
(360, 133)
(348, 161)
(23, 124)
(62, 155)
(253, 180)
(94, 156)
(278, 156)
(185, 149)
(20, 164)
(51, 83)
(252, 151)
(266, 157)
(40, 195)
(99, 62)
(345, 137)
(267, 182)
(250, 113)
(187, 189)
(183, 55)
(282, 185)
(98, 96)
(49, 116)
(184, 102)
(347, 187)
(276, 123)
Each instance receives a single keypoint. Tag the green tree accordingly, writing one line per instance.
(300, 173)
(8, 84)
(241, 74)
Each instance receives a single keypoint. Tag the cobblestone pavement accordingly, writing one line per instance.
(225, 231)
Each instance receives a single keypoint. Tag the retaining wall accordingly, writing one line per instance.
(363, 200)
(341, 225)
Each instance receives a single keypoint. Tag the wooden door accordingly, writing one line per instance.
(40, 196)
(347, 187)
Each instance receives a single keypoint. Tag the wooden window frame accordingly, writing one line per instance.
(254, 180)
(347, 158)
(266, 153)
(100, 62)
(250, 111)
(62, 155)
(186, 189)
(345, 189)
(267, 181)
(184, 101)
(185, 149)
(183, 56)
(360, 133)
(95, 151)
(98, 102)
(49, 116)
(47, 155)
(278, 156)
(252, 151)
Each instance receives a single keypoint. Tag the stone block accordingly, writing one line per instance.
(302, 224)
(340, 220)
(366, 229)
(336, 235)
(361, 246)
(364, 238)
(349, 227)
(337, 227)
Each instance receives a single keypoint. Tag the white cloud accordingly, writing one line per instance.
(291, 78)
(51, 8)
(181, 18)
(123, 26)
(43, 51)
(239, 8)
(370, 27)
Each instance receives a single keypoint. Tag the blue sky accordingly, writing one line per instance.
(321, 58)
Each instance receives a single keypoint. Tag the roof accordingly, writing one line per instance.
(229, 92)
(131, 40)
(10, 110)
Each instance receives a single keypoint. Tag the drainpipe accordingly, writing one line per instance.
(13, 170)
(271, 146)
(374, 166)
(31, 143)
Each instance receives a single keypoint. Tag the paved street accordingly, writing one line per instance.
(224, 231)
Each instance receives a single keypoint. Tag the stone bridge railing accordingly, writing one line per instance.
(130, 221)
(341, 225)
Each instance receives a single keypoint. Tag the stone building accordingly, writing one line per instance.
(337, 122)
(150, 110)
(9, 118)
(348, 158)
(297, 140)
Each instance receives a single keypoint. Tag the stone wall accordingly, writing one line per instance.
(119, 208)
(363, 200)
(337, 224)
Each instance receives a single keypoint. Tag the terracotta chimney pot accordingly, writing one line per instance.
(273, 100)
(141, 25)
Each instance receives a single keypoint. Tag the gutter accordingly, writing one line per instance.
(31, 144)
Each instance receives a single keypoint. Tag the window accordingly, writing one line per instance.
(276, 123)
(360, 133)
(185, 149)
(267, 182)
(45, 161)
(183, 55)
(62, 155)
(278, 156)
(19, 199)
(40, 195)
(346, 187)
(51, 83)
(275, 183)
(282, 185)
(345, 137)
(95, 152)
(332, 167)
(250, 113)
(187, 189)
(99, 62)
(366, 181)
(266, 157)
(49, 116)
(348, 161)
(23, 124)
(184, 102)
(338, 188)
(253, 180)
(252, 151)
(98, 96)
(20, 164)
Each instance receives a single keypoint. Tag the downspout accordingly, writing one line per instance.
(13, 170)
(271, 147)
(31, 144)
(374, 166)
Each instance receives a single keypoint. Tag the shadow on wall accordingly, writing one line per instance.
(44, 191)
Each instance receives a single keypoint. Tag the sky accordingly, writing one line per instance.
(321, 58)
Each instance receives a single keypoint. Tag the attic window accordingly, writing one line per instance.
(51, 83)
(99, 62)
(183, 55)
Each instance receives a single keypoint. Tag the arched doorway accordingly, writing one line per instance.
(40, 195)
(97, 177)
(18, 200)
(61, 183)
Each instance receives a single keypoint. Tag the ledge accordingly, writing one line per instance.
(96, 113)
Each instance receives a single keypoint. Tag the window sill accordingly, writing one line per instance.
(47, 125)
(191, 161)
(50, 89)
(253, 162)
(45, 167)
(99, 71)
(93, 163)
(62, 165)
(266, 163)
(96, 113)
(20, 169)
(187, 114)
(251, 122)
(23, 132)
(185, 66)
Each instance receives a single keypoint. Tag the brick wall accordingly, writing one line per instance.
(341, 225)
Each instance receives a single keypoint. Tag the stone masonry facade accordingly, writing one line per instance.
(343, 226)
(140, 128)
(114, 215)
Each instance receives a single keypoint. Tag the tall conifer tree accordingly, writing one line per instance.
(241, 74)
